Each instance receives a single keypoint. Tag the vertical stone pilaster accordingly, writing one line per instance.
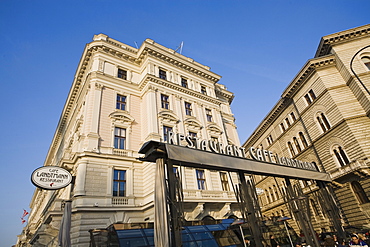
(80, 180)
(93, 135)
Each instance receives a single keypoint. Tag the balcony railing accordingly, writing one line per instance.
(122, 152)
(208, 194)
(351, 167)
(120, 201)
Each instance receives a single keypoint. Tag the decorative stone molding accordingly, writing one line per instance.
(193, 124)
(168, 116)
(328, 41)
(150, 78)
(122, 117)
(183, 65)
(214, 129)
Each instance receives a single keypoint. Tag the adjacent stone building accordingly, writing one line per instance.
(323, 116)
(122, 97)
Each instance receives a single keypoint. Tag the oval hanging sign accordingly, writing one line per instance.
(51, 177)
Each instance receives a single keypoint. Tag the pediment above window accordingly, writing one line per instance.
(122, 117)
(214, 129)
(168, 116)
(193, 123)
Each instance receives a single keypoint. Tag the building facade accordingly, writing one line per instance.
(122, 97)
(323, 116)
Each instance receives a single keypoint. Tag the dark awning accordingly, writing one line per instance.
(208, 160)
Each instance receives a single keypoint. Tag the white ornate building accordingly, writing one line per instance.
(120, 98)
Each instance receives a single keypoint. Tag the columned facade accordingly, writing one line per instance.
(121, 98)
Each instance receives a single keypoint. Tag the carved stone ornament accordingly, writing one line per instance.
(168, 116)
(214, 129)
(122, 117)
(193, 123)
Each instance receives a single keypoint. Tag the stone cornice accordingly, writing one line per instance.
(341, 37)
(151, 49)
(280, 106)
(74, 93)
(184, 65)
(306, 72)
(176, 87)
(120, 53)
(222, 93)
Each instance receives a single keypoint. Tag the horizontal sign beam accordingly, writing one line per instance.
(208, 160)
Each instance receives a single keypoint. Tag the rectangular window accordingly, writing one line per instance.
(203, 90)
(287, 122)
(119, 183)
(209, 115)
(282, 127)
(201, 179)
(310, 97)
(224, 181)
(162, 74)
(293, 116)
(214, 139)
(119, 138)
(166, 129)
(192, 134)
(188, 108)
(164, 102)
(270, 140)
(184, 82)
(122, 74)
(121, 102)
(176, 171)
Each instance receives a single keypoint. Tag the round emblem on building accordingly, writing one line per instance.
(51, 177)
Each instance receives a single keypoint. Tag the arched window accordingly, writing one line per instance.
(292, 152)
(366, 61)
(359, 192)
(303, 140)
(323, 122)
(297, 145)
(341, 156)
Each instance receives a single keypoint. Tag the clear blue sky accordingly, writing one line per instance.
(256, 46)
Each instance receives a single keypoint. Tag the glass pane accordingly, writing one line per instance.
(214, 227)
(116, 142)
(207, 243)
(193, 229)
(133, 242)
(115, 189)
(115, 176)
(122, 188)
(130, 233)
(122, 175)
(122, 143)
(186, 237)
